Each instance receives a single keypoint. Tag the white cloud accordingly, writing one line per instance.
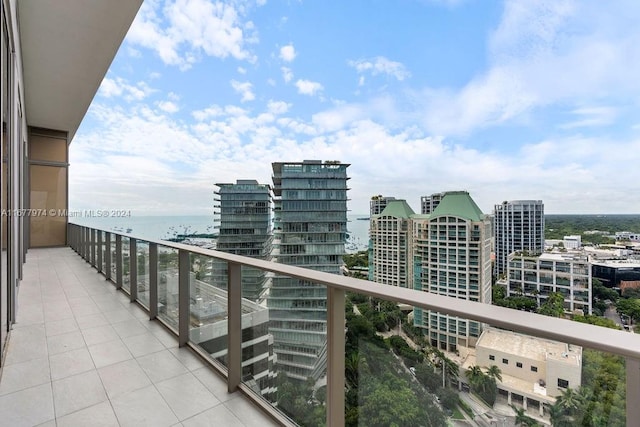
(242, 70)
(287, 53)
(307, 87)
(287, 74)
(591, 116)
(381, 65)
(245, 89)
(117, 87)
(544, 53)
(183, 30)
(278, 107)
(168, 106)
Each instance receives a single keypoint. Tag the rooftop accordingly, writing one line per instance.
(460, 204)
(529, 347)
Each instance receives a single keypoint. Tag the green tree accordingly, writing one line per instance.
(522, 419)
(553, 306)
(476, 377)
(389, 402)
(494, 372)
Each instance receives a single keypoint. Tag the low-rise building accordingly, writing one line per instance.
(534, 371)
(538, 276)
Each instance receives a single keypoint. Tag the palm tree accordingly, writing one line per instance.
(476, 377)
(494, 372)
(568, 405)
(522, 419)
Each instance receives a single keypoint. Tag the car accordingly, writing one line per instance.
(413, 371)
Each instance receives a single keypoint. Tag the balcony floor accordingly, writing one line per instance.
(81, 354)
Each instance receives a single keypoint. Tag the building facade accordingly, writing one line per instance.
(534, 371)
(378, 203)
(245, 229)
(429, 203)
(518, 225)
(390, 234)
(567, 273)
(452, 257)
(310, 230)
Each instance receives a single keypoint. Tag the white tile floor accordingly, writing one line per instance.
(81, 354)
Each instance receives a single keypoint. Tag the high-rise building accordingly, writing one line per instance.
(245, 229)
(391, 239)
(429, 203)
(452, 257)
(310, 230)
(518, 225)
(378, 203)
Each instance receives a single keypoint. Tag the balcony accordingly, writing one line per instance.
(81, 353)
(128, 346)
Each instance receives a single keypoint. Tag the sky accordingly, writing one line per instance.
(527, 99)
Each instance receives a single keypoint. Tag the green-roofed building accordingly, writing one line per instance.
(390, 242)
(451, 256)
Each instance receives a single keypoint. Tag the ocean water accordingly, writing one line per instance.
(166, 227)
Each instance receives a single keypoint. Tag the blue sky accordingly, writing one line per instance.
(527, 99)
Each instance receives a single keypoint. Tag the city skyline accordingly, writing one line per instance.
(509, 101)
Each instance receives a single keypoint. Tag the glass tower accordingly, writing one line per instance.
(245, 229)
(310, 230)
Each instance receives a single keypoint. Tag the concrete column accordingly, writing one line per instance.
(509, 397)
(524, 402)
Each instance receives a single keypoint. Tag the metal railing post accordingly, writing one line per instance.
(153, 281)
(107, 255)
(118, 261)
(234, 326)
(99, 265)
(633, 389)
(183, 297)
(335, 356)
(133, 270)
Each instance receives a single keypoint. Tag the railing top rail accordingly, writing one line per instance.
(595, 337)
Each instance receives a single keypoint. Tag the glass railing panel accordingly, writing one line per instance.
(103, 262)
(126, 265)
(258, 357)
(208, 306)
(390, 375)
(168, 285)
(297, 311)
(113, 257)
(482, 373)
(143, 272)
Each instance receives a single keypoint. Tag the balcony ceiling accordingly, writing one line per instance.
(67, 48)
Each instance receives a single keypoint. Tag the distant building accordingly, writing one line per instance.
(245, 229)
(518, 225)
(378, 203)
(429, 203)
(537, 277)
(452, 257)
(612, 272)
(310, 230)
(390, 235)
(628, 235)
(572, 242)
(534, 370)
